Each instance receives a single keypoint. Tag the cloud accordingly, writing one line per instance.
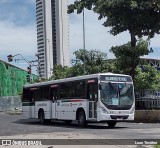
(18, 30)
(17, 27)
(15, 39)
(31, 1)
(18, 40)
(96, 35)
(16, 1)
(155, 42)
(19, 12)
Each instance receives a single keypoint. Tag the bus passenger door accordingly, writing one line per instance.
(54, 96)
(32, 104)
(92, 95)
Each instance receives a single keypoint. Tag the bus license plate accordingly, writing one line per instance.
(119, 118)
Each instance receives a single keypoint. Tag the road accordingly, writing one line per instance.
(17, 125)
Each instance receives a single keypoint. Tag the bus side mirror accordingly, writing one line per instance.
(100, 87)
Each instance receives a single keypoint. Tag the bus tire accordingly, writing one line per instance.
(48, 121)
(41, 117)
(67, 122)
(81, 119)
(111, 124)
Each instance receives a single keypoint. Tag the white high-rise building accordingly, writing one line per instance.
(52, 35)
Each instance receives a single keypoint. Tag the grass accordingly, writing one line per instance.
(157, 146)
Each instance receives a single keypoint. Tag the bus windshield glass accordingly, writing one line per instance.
(117, 93)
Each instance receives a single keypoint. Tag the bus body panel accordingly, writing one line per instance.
(104, 114)
(54, 111)
(66, 109)
(28, 111)
(46, 106)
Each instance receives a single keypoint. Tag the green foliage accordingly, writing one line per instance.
(40, 80)
(147, 78)
(94, 61)
(86, 62)
(157, 146)
(128, 57)
(60, 72)
(76, 70)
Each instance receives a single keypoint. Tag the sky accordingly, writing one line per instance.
(18, 32)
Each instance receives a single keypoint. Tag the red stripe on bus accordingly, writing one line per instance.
(76, 100)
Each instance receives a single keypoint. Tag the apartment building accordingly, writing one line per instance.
(52, 35)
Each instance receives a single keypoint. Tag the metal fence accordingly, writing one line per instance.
(147, 99)
(10, 103)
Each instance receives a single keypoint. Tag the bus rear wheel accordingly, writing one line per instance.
(82, 119)
(111, 124)
(42, 117)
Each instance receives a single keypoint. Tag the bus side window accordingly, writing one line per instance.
(26, 94)
(44, 92)
(34, 94)
(31, 96)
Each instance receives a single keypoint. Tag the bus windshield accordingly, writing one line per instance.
(117, 94)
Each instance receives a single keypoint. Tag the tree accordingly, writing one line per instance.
(92, 61)
(127, 58)
(60, 72)
(147, 78)
(95, 61)
(138, 17)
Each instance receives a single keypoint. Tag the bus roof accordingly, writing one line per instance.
(73, 79)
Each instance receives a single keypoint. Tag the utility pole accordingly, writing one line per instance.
(84, 48)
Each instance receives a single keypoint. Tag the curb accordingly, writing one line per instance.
(11, 112)
(14, 113)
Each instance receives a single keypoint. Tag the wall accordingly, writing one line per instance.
(12, 79)
(10, 103)
(147, 116)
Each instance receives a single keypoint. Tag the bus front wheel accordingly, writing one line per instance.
(82, 119)
(111, 123)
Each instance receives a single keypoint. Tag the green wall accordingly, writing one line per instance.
(12, 79)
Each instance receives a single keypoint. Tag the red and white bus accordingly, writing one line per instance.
(103, 97)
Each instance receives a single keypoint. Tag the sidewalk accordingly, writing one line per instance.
(71, 137)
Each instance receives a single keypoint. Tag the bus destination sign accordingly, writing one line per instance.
(115, 78)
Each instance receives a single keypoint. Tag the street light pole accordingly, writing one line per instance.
(48, 41)
(84, 48)
(30, 63)
(10, 59)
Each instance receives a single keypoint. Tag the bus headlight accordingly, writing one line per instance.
(132, 110)
(104, 110)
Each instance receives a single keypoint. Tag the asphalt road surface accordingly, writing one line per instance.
(17, 125)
